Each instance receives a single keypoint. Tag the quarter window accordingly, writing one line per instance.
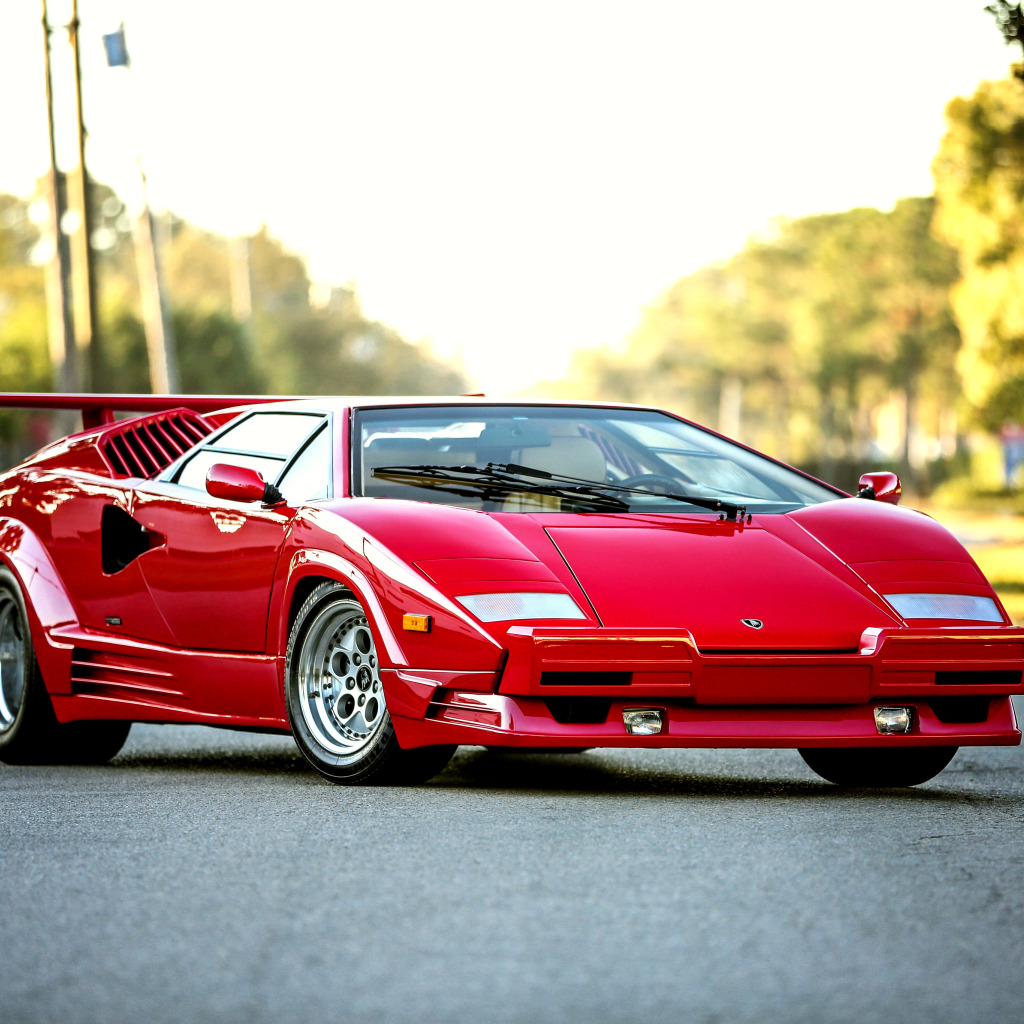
(309, 477)
(266, 442)
(270, 433)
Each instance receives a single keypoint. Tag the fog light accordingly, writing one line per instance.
(642, 721)
(893, 720)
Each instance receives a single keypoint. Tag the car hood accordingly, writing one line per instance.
(731, 588)
(811, 578)
(801, 581)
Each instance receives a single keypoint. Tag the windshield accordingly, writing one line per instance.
(646, 450)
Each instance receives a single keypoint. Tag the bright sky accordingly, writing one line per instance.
(507, 181)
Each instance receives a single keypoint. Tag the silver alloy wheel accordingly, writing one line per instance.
(339, 685)
(12, 660)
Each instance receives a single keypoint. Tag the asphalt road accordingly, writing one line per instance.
(207, 876)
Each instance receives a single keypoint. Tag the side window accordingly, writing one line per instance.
(309, 476)
(264, 441)
(269, 433)
(194, 473)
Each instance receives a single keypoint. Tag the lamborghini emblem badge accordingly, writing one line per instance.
(752, 623)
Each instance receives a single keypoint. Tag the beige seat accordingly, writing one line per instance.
(568, 456)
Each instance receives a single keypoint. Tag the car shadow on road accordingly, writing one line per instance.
(197, 749)
(594, 773)
(269, 763)
(590, 775)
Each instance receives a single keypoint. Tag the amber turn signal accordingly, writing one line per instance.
(416, 623)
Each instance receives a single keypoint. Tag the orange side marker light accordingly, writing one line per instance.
(416, 623)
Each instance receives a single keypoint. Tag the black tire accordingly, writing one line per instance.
(335, 698)
(878, 766)
(29, 730)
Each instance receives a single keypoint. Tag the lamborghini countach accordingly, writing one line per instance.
(386, 579)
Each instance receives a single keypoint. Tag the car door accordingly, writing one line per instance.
(211, 570)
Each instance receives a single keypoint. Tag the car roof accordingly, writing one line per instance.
(341, 402)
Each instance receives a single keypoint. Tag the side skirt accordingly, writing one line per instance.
(117, 678)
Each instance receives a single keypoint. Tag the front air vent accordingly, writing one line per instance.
(144, 446)
(586, 678)
(983, 677)
(579, 710)
(960, 710)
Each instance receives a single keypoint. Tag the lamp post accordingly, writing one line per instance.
(163, 367)
(60, 316)
(82, 270)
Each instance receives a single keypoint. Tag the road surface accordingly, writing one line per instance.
(208, 876)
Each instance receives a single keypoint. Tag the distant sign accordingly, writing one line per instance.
(117, 49)
(1012, 437)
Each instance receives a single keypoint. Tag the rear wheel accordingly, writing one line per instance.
(878, 766)
(29, 730)
(335, 698)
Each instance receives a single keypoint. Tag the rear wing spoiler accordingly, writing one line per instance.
(98, 410)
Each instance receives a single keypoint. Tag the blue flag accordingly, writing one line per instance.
(117, 49)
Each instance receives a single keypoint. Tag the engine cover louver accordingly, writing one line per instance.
(144, 446)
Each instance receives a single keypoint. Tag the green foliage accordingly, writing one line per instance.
(278, 342)
(979, 181)
(800, 342)
(214, 356)
(24, 358)
(1009, 19)
(337, 350)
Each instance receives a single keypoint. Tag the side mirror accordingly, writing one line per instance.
(880, 487)
(239, 483)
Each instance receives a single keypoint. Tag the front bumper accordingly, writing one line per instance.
(568, 687)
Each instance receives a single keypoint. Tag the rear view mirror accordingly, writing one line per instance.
(514, 435)
(880, 487)
(240, 483)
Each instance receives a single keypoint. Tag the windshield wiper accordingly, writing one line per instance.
(729, 509)
(494, 481)
(508, 477)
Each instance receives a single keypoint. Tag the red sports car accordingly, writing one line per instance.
(386, 579)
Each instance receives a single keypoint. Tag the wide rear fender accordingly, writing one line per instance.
(22, 553)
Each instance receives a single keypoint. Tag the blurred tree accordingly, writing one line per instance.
(24, 357)
(335, 349)
(286, 345)
(298, 348)
(979, 182)
(797, 342)
(213, 356)
(280, 282)
(1010, 20)
(196, 268)
(920, 338)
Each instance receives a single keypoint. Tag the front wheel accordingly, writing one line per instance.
(29, 730)
(878, 766)
(335, 698)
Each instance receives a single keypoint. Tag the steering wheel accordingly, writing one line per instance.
(650, 482)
